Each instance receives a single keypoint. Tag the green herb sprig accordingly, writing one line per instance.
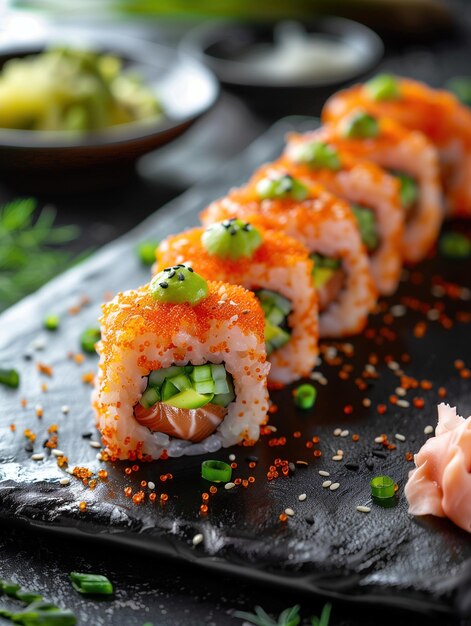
(29, 249)
(324, 618)
(38, 612)
(288, 617)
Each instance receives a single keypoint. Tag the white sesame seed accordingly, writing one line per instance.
(323, 473)
(337, 432)
(340, 452)
(399, 437)
(363, 509)
(428, 430)
(95, 444)
(38, 407)
(393, 365)
(366, 402)
(197, 539)
(232, 457)
(38, 457)
(331, 352)
(65, 481)
(371, 369)
(70, 471)
(302, 497)
(39, 344)
(273, 429)
(151, 485)
(379, 439)
(326, 483)
(403, 403)
(229, 486)
(289, 512)
(334, 486)
(65, 409)
(465, 293)
(398, 310)
(400, 391)
(57, 452)
(99, 457)
(344, 433)
(337, 457)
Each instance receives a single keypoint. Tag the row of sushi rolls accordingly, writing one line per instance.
(299, 252)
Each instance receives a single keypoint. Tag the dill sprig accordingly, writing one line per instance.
(288, 617)
(30, 253)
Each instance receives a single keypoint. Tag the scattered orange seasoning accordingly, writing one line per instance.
(164, 497)
(442, 392)
(39, 411)
(420, 329)
(62, 461)
(12, 428)
(44, 369)
(44, 387)
(283, 517)
(213, 489)
(203, 509)
(355, 437)
(24, 403)
(409, 456)
(127, 492)
(419, 403)
(139, 497)
(465, 373)
(83, 506)
(348, 409)
(382, 408)
(79, 358)
(88, 378)
(102, 474)
(53, 428)
(152, 496)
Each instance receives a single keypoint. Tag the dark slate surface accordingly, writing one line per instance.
(384, 558)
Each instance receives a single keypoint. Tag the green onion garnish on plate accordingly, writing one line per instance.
(91, 583)
(51, 322)
(9, 378)
(382, 487)
(305, 396)
(216, 471)
(146, 251)
(89, 338)
(455, 246)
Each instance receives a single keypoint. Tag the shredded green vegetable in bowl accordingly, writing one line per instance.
(67, 89)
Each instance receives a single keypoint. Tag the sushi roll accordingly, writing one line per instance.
(326, 226)
(436, 113)
(413, 159)
(373, 195)
(182, 368)
(279, 271)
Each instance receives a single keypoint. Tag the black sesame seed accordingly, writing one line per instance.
(29, 447)
(163, 284)
(378, 454)
(354, 467)
(252, 459)
(369, 463)
(292, 468)
(233, 231)
(190, 269)
(167, 269)
(172, 274)
(226, 224)
(27, 356)
(87, 435)
(309, 520)
(181, 276)
(247, 226)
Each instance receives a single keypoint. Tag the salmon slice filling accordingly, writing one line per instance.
(189, 424)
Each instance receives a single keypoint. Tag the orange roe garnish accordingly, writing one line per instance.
(252, 464)
(12, 428)
(44, 369)
(135, 468)
(419, 403)
(44, 387)
(465, 373)
(442, 392)
(213, 489)
(316, 439)
(317, 453)
(83, 506)
(138, 498)
(420, 329)
(88, 378)
(426, 385)
(53, 428)
(102, 474)
(297, 434)
(143, 483)
(152, 496)
(234, 465)
(283, 517)
(237, 481)
(409, 456)
(309, 444)
(348, 409)
(205, 496)
(79, 358)
(163, 478)
(355, 437)
(92, 484)
(24, 402)
(163, 497)
(382, 408)
(251, 479)
(203, 509)
(127, 492)
(29, 435)
(62, 461)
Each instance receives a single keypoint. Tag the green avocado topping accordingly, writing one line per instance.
(361, 125)
(284, 186)
(179, 284)
(231, 239)
(367, 226)
(383, 87)
(317, 154)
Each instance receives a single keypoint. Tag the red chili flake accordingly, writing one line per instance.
(442, 392)
(45, 369)
(393, 399)
(391, 446)
(465, 373)
(135, 468)
(273, 408)
(406, 357)
(164, 455)
(92, 484)
(348, 409)
(420, 329)
(382, 408)
(370, 333)
(316, 439)
(344, 375)
(419, 403)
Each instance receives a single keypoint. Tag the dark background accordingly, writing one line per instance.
(156, 590)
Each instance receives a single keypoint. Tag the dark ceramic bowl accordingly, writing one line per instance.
(62, 161)
(224, 46)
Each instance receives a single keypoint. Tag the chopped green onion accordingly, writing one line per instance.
(305, 396)
(317, 154)
(461, 87)
(284, 186)
(361, 126)
(51, 322)
(44, 615)
(366, 220)
(455, 246)
(146, 251)
(9, 378)
(216, 471)
(91, 583)
(409, 191)
(382, 487)
(28, 596)
(89, 338)
(11, 589)
(383, 87)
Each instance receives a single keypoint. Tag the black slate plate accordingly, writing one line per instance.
(383, 558)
